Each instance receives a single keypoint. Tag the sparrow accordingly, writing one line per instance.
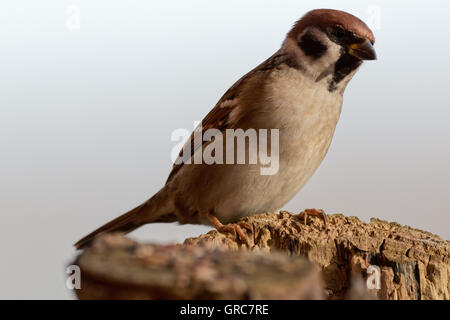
(298, 91)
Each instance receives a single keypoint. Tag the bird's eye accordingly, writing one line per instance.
(338, 32)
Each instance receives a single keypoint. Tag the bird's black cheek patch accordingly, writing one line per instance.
(311, 46)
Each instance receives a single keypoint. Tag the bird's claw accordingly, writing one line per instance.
(234, 228)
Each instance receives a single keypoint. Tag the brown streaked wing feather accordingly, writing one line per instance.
(218, 117)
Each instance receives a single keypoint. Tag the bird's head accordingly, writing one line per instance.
(330, 45)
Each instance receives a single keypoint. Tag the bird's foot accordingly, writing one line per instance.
(234, 228)
(313, 212)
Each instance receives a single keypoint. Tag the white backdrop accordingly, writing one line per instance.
(87, 108)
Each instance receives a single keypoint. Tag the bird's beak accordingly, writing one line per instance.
(363, 51)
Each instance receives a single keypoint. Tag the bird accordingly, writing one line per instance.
(297, 91)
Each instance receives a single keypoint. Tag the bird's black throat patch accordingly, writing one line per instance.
(343, 67)
(311, 46)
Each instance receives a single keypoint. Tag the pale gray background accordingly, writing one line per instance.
(86, 117)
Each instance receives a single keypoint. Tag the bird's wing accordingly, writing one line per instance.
(219, 116)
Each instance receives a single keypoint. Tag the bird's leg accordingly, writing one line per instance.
(235, 228)
(314, 212)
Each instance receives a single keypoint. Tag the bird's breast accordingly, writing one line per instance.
(306, 114)
(304, 111)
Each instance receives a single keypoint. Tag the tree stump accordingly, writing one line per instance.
(393, 261)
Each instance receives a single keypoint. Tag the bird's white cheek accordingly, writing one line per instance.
(328, 60)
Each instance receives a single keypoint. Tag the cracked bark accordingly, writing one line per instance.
(413, 264)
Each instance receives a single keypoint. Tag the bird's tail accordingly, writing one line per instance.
(153, 210)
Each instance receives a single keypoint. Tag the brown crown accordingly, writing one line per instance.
(325, 18)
